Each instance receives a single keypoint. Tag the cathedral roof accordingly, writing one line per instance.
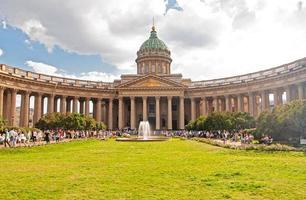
(153, 43)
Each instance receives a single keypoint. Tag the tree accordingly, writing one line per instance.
(222, 121)
(3, 123)
(70, 121)
(285, 122)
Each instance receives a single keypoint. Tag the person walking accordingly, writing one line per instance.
(7, 138)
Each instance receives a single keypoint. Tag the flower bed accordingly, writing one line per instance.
(259, 147)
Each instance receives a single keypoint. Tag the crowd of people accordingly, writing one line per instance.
(14, 138)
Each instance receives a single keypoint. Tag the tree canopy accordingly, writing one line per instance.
(285, 122)
(70, 121)
(222, 121)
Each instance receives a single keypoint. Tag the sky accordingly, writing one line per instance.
(98, 39)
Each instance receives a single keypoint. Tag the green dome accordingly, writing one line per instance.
(153, 43)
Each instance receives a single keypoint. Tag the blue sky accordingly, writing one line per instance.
(17, 49)
(98, 39)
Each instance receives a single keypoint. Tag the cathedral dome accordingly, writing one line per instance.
(153, 56)
(153, 43)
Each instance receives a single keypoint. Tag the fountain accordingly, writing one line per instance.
(144, 134)
(144, 131)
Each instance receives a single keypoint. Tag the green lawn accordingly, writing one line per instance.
(175, 169)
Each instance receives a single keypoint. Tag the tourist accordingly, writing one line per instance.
(7, 137)
(13, 137)
(22, 139)
(47, 137)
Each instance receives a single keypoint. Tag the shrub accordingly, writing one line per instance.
(285, 122)
(257, 147)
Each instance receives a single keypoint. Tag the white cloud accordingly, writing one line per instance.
(3, 24)
(1, 52)
(43, 68)
(208, 39)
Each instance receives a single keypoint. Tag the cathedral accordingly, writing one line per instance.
(168, 101)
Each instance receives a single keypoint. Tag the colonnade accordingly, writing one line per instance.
(252, 102)
(163, 112)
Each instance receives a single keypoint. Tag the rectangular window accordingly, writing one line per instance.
(151, 108)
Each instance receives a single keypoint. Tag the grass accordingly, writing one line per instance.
(174, 169)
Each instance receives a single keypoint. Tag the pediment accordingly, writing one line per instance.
(151, 81)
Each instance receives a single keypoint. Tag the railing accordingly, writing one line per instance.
(53, 79)
(273, 72)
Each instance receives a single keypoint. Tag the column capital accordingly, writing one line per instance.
(76, 97)
(87, 98)
(13, 89)
(144, 97)
(251, 93)
(26, 92)
(51, 95)
(40, 94)
(169, 97)
(157, 98)
(203, 98)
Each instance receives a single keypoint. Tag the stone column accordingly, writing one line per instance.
(110, 114)
(8, 106)
(157, 112)
(215, 103)
(169, 113)
(63, 104)
(98, 107)
(288, 94)
(37, 108)
(51, 103)
(264, 105)
(21, 111)
(133, 113)
(144, 109)
(227, 103)
(87, 106)
(193, 109)
(182, 114)
(26, 106)
(55, 105)
(120, 113)
(81, 106)
(68, 105)
(251, 103)
(1, 101)
(276, 97)
(300, 91)
(75, 104)
(13, 107)
(203, 106)
(240, 103)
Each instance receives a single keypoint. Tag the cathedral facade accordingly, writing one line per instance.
(154, 94)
